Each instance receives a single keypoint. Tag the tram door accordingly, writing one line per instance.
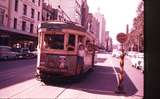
(88, 55)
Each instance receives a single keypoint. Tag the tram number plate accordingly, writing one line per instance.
(59, 70)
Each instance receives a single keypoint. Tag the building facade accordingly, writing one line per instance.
(70, 9)
(4, 6)
(85, 14)
(107, 40)
(23, 17)
(93, 26)
(102, 22)
(49, 13)
(110, 44)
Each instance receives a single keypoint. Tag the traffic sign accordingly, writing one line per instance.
(122, 37)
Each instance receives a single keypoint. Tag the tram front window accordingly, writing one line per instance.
(55, 41)
(71, 42)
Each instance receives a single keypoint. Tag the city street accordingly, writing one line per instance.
(18, 81)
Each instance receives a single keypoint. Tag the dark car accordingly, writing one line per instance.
(24, 53)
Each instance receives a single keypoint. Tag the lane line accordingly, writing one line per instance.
(116, 73)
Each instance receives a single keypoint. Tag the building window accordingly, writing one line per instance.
(16, 5)
(38, 16)
(2, 12)
(24, 9)
(15, 23)
(31, 28)
(32, 13)
(23, 25)
(33, 1)
(39, 2)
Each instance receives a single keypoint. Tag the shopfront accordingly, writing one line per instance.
(18, 40)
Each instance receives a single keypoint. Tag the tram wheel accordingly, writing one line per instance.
(81, 75)
(91, 69)
(43, 77)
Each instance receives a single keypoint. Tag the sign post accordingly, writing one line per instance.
(122, 38)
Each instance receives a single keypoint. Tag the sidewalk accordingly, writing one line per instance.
(129, 88)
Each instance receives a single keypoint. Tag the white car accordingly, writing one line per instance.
(138, 61)
(132, 53)
(7, 53)
(116, 53)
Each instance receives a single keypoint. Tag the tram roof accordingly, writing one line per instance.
(58, 25)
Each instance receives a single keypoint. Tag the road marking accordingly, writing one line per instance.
(116, 73)
(95, 90)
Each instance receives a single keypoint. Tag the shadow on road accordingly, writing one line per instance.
(11, 76)
(103, 81)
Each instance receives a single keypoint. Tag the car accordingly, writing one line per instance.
(131, 53)
(24, 53)
(116, 53)
(138, 61)
(6, 53)
(34, 53)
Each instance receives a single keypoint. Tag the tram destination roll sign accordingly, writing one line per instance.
(122, 37)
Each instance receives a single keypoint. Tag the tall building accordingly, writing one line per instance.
(93, 26)
(50, 13)
(110, 44)
(85, 14)
(102, 23)
(106, 40)
(71, 9)
(23, 17)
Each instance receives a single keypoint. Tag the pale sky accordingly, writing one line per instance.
(118, 13)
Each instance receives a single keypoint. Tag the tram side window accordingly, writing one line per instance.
(71, 42)
(89, 45)
(54, 41)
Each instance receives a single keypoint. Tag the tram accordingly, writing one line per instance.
(58, 44)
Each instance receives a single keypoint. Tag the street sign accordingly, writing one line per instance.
(122, 38)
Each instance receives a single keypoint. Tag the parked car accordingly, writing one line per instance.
(34, 53)
(24, 53)
(140, 58)
(132, 53)
(116, 53)
(6, 53)
(138, 61)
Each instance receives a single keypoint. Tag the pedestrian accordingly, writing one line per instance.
(81, 54)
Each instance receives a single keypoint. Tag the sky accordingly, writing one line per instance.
(118, 13)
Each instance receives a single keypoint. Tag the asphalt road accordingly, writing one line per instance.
(18, 81)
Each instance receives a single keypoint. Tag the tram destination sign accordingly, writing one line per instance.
(122, 37)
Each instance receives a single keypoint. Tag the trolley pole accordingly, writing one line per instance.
(121, 37)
